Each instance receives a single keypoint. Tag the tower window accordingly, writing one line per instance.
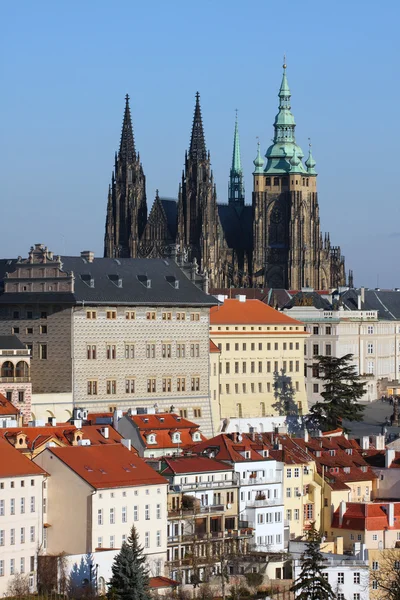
(268, 181)
(307, 182)
(276, 180)
(284, 181)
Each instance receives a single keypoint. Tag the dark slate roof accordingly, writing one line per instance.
(11, 342)
(170, 207)
(387, 302)
(315, 300)
(133, 273)
(237, 226)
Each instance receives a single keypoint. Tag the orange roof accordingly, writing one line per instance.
(162, 582)
(367, 516)
(163, 425)
(214, 347)
(6, 407)
(162, 421)
(110, 466)
(15, 464)
(253, 312)
(93, 433)
(194, 464)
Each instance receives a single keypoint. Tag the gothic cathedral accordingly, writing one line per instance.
(275, 242)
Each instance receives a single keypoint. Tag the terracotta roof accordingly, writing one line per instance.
(6, 407)
(94, 434)
(253, 312)
(162, 582)
(162, 421)
(225, 448)
(105, 467)
(92, 417)
(214, 347)
(377, 458)
(194, 464)
(37, 436)
(15, 464)
(367, 516)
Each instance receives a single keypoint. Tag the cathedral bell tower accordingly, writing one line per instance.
(126, 207)
(288, 249)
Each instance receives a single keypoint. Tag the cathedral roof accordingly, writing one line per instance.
(386, 302)
(170, 207)
(309, 299)
(237, 225)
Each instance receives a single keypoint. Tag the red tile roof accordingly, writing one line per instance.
(15, 464)
(214, 347)
(361, 516)
(253, 312)
(110, 466)
(164, 425)
(194, 464)
(162, 421)
(6, 407)
(225, 448)
(162, 582)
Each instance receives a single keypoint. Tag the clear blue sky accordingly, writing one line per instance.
(67, 65)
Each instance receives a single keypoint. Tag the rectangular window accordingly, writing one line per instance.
(315, 349)
(268, 366)
(227, 388)
(356, 578)
(91, 352)
(150, 350)
(370, 348)
(183, 413)
(100, 516)
(111, 386)
(180, 351)
(195, 384)
(43, 351)
(12, 506)
(92, 387)
(180, 316)
(32, 533)
(112, 516)
(147, 539)
(166, 384)
(158, 511)
(2, 537)
(180, 384)
(375, 565)
(124, 514)
(244, 347)
(151, 385)
(315, 388)
(43, 329)
(22, 535)
(328, 350)
(22, 565)
(167, 316)
(158, 538)
(12, 566)
(135, 513)
(166, 350)
(315, 330)
(227, 368)
(111, 351)
(340, 577)
(32, 504)
(244, 388)
(91, 314)
(112, 541)
(130, 386)
(12, 537)
(111, 315)
(296, 514)
(129, 350)
(195, 316)
(244, 367)
(288, 492)
(197, 413)
(130, 315)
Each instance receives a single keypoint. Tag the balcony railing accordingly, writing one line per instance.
(196, 510)
(258, 480)
(265, 502)
(202, 485)
(212, 535)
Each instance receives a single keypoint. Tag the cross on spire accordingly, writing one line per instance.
(127, 146)
(197, 148)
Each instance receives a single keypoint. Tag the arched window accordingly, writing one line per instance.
(276, 180)
(176, 438)
(22, 369)
(7, 369)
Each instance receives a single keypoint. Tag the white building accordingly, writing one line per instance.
(96, 494)
(22, 504)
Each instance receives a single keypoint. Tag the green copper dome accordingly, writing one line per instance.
(284, 155)
(310, 162)
(258, 161)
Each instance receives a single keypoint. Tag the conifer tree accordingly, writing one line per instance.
(343, 389)
(130, 579)
(311, 585)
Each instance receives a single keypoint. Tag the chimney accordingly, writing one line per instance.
(306, 436)
(389, 457)
(359, 302)
(241, 297)
(116, 417)
(105, 432)
(365, 442)
(127, 443)
(88, 255)
(342, 510)
(379, 442)
(362, 294)
(390, 514)
(77, 423)
(52, 421)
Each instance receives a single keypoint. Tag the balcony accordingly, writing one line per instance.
(196, 511)
(212, 535)
(261, 480)
(202, 485)
(263, 503)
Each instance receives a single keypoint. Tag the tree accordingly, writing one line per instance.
(386, 574)
(342, 390)
(254, 580)
(18, 586)
(130, 579)
(311, 585)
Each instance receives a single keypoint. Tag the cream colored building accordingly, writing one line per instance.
(258, 346)
(22, 516)
(96, 494)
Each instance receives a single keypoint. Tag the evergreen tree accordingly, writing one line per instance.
(342, 390)
(130, 579)
(311, 585)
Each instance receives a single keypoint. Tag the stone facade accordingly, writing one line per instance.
(275, 242)
(15, 379)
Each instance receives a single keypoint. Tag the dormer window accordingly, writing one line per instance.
(196, 436)
(176, 437)
(151, 438)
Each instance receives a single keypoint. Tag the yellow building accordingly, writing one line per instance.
(261, 351)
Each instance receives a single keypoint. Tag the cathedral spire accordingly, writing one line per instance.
(127, 146)
(197, 149)
(236, 186)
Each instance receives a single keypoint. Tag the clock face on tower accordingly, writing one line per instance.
(276, 215)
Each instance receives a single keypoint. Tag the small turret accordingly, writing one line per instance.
(310, 162)
(258, 161)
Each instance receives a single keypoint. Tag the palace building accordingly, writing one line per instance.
(275, 241)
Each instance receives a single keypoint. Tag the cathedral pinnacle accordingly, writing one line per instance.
(310, 162)
(236, 186)
(236, 162)
(258, 161)
(127, 146)
(197, 149)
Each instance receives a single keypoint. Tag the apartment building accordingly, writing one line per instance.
(159, 434)
(364, 323)
(262, 352)
(204, 527)
(259, 478)
(96, 494)
(15, 380)
(106, 333)
(22, 516)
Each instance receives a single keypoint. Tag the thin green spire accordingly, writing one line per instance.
(236, 162)
(236, 185)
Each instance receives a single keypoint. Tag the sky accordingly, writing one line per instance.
(66, 66)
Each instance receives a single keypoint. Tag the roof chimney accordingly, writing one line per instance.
(390, 514)
(342, 510)
(362, 294)
(87, 255)
(105, 432)
(365, 442)
(127, 443)
(241, 297)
